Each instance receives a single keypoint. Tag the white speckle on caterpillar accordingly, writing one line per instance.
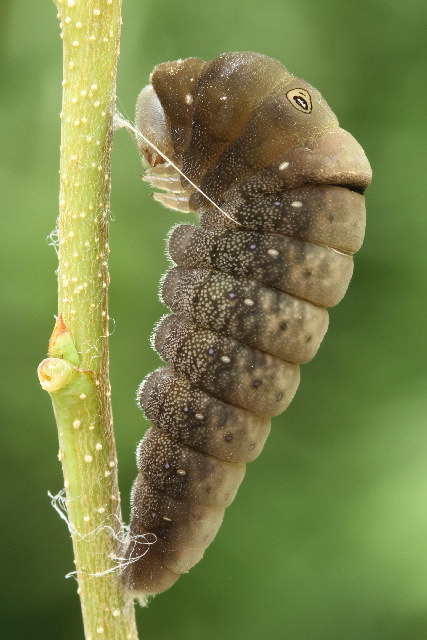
(76, 424)
(225, 359)
(249, 302)
(273, 252)
(88, 458)
(296, 204)
(284, 165)
(189, 98)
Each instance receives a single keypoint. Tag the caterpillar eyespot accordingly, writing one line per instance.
(300, 99)
(249, 289)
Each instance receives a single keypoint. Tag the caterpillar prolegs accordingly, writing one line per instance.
(278, 186)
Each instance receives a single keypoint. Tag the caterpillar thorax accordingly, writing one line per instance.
(249, 289)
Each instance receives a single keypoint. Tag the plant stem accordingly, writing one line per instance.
(76, 374)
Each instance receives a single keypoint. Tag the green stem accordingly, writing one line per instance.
(76, 374)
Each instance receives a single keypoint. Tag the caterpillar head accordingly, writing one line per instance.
(152, 124)
(239, 117)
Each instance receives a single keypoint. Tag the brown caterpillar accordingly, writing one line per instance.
(249, 291)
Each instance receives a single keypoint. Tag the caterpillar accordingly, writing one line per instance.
(278, 187)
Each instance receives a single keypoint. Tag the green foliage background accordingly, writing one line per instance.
(326, 539)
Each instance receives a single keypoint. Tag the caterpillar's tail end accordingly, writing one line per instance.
(144, 573)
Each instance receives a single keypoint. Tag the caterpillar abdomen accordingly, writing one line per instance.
(248, 290)
(248, 310)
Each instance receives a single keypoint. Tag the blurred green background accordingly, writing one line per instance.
(327, 537)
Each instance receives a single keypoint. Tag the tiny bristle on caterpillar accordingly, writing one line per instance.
(240, 136)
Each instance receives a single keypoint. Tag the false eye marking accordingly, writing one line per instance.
(300, 99)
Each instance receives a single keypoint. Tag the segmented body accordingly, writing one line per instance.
(249, 291)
